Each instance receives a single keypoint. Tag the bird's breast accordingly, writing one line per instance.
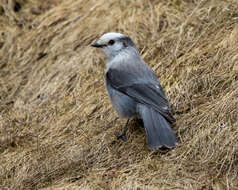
(123, 104)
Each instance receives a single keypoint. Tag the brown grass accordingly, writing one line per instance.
(56, 122)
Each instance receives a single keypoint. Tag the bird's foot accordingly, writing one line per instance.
(121, 136)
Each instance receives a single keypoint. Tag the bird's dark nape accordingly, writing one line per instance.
(127, 41)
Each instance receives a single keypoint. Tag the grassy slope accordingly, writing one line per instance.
(56, 122)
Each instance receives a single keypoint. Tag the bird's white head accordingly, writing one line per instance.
(113, 43)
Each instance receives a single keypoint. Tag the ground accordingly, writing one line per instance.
(57, 124)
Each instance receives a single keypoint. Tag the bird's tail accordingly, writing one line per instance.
(158, 130)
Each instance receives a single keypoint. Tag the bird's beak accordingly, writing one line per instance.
(97, 45)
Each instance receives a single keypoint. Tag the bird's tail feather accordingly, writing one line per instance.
(158, 130)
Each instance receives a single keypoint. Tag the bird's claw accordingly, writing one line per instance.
(121, 136)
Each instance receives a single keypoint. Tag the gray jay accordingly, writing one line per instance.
(134, 90)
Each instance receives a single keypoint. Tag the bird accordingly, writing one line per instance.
(135, 91)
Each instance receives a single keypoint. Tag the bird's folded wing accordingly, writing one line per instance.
(148, 93)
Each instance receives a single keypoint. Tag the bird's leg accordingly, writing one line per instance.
(123, 134)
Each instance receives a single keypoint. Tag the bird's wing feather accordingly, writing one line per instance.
(148, 93)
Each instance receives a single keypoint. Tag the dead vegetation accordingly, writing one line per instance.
(56, 123)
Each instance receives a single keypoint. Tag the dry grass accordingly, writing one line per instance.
(56, 122)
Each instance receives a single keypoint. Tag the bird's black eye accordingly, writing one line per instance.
(111, 42)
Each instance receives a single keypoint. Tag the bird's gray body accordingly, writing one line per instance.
(124, 105)
(134, 90)
(137, 72)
